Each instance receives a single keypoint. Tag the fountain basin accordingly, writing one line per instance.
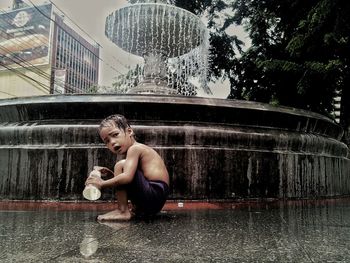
(213, 148)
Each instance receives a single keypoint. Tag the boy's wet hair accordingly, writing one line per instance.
(115, 120)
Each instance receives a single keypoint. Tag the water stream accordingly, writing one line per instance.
(173, 42)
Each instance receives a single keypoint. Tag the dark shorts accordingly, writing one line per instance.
(148, 197)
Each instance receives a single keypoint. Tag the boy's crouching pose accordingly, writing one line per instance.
(141, 177)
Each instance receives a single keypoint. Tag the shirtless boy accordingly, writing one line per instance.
(141, 177)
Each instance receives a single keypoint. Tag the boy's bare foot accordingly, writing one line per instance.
(117, 215)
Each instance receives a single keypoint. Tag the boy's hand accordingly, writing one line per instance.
(103, 170)
(95, 180)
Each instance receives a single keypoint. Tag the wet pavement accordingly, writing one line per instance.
(283, 232)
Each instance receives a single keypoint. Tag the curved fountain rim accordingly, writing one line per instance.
(155, 99)
(154, 4)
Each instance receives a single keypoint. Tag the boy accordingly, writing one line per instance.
(141, 177)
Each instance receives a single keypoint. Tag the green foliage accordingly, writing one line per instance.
(92, 89)
(299, 54)
(123, 83)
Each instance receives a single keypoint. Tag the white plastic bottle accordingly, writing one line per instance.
(91, 192)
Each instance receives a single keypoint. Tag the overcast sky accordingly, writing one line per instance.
(91, 15)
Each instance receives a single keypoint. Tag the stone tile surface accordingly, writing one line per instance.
(291, 233)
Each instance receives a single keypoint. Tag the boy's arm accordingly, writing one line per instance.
(104, 170)
(130, 166)
(129, 169)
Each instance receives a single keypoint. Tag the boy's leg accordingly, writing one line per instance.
(122, 212)
(148, 197)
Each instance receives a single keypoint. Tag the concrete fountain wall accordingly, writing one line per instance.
(214, 149)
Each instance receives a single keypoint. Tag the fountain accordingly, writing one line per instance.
(172, 41)
(213, 148)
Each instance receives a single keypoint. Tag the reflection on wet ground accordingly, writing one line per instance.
(293, 232)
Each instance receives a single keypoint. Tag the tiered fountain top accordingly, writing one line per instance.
(153, 28)
(170, 39)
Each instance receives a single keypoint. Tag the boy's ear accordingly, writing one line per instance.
(130, 131)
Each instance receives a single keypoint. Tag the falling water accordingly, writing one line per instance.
(173, 42)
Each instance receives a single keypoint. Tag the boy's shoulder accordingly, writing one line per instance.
(139, 146)
(140, 149)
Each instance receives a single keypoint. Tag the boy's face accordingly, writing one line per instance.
(117, 140)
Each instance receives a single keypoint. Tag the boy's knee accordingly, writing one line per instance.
(119, 166)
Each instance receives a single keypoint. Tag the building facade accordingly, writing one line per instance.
(40, 54)
(74, 60)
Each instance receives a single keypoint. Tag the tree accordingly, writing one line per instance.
(299, 55)
(274, 69)
(127, 81)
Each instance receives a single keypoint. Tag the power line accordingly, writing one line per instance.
(3, 92)
(73, 22)
(42, 85)
(87, 34)
(38, 9)
(29, 66)
(20, 60)
(4, 13)
(26, 63)
(63, 29)
(16, 41)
